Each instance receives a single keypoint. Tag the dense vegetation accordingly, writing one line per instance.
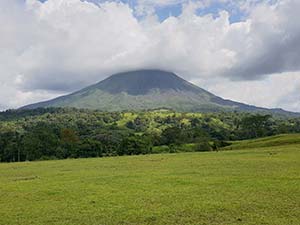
(74, 133)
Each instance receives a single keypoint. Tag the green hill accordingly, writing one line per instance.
(278, 140)
(149, 89)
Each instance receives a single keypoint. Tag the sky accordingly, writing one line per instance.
(243, 50)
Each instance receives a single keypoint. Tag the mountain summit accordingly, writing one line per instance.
(148, 89)
(143, 82)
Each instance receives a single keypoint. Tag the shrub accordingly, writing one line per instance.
(203, 147)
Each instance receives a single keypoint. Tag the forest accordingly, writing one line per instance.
(60, 133)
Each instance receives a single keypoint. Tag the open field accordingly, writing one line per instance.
(249, 186)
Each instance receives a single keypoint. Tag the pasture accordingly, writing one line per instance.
(259, 185)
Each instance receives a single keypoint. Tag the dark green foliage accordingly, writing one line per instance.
(254, 126)
(217, 144)
(69, 142)
(10, 147)
(139, 124)
(172, 135)
(90, 148)
(135, 145)
(203, 147)
(41, 140)
(75, 133)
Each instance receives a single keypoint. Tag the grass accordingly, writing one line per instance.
(278, 140)
(250, 186)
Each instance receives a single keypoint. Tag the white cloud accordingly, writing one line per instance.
(61, 45)
(271, 44)
(280, 90)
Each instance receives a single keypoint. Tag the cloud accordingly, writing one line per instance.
(271, 42)
(280, 90)
(59, 46)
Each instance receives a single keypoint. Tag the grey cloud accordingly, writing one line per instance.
(291, 100)
(274, 40)
(277, 57)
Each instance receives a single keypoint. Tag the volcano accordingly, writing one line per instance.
(147, 90)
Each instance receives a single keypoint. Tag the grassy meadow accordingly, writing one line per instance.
(256, 185)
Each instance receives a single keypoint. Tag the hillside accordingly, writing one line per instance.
(272, 141)
(252, 186)
(149, 89)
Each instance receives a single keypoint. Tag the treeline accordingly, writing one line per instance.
(73, 133)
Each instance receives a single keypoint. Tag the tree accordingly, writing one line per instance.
(11, 149)
(40, 141)
(90, 148)
(254, 126)
(69, 142)
(135, 145)
(172, 135)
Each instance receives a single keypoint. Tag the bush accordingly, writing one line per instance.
(203, 147)
(220, 144)
(135, 145)
(160, 149)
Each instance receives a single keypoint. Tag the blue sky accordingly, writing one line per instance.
(164, 11)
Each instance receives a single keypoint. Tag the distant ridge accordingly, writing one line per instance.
(149, 89)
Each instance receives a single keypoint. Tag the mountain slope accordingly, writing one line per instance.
(148, 89)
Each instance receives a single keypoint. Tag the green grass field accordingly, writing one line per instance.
(278, 140)
(259, 185)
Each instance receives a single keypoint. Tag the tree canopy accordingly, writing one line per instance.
(73, 133)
